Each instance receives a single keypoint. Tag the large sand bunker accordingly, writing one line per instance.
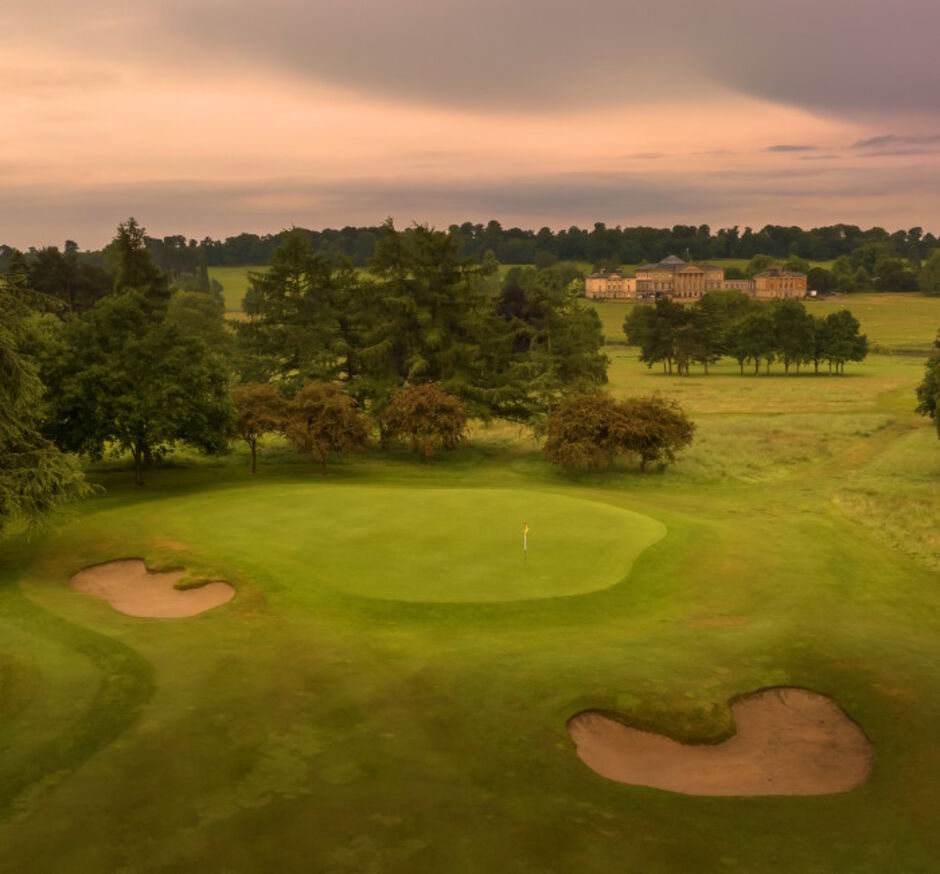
(788, 742)
(129, 587)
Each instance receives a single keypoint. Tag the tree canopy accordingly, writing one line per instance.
(589, 430)
(928, 392)
(35, 477)
(730, 323)
(427, 416)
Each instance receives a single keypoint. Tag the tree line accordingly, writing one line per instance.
(864, 259)
(731, 324)
(149, 364)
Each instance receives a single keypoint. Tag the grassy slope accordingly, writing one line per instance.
(305, 726)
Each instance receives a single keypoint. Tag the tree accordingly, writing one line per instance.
(713, 316)
(793, 333)
(588, 431)
(124, 377)
(653, 329)
(928, 279)
(797, 264)
(425, 315)
(842, 341)
(758, 264)
(656, 428)
(928, 392)
(819, 279)
(541, 343)
(133, 266)
(260, 408)
(65, 278)
(35, 477)
(892, 274)
(293, 328)
(754, 339)
(427, 416)
(323, 419)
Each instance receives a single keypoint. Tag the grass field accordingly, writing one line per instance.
(234, 284)
(389, 689)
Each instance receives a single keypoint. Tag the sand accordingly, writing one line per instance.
(787, 742)
(130, 588)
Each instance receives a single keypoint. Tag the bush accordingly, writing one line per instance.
(588, 431)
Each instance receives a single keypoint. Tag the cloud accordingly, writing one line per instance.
(786, 147)
(897, 140)
(854, 57)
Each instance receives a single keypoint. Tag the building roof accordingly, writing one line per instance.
(672, 263)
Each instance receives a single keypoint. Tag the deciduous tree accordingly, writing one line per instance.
(427, 416)
(322, 419)
(588, 431)
(260, 409)
(928, 392)
(125, 377)
(35, 477)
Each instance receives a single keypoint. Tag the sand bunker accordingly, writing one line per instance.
(787, 742)
(129, 587)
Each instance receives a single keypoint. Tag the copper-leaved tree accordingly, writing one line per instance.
(322, 419)
(427, 416)
(588, 431)
(260, 408)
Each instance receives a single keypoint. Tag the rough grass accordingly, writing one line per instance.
(327, 719)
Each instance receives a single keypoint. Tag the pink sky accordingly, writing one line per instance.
(98, 126)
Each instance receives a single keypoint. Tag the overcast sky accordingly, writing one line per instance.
(211, 117)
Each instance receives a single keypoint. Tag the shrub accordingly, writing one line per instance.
(588, 431)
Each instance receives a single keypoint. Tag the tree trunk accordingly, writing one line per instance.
(815, 365)
(756, 366)
(705, 365)
(254, 447)
(786, 365)
(138, 466)
(768, 367)
(741, 365)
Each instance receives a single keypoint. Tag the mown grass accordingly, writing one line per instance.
(385, 694)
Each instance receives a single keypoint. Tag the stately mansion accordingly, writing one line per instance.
(673, 277)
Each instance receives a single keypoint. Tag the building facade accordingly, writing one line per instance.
(673, 277)
(610, 286)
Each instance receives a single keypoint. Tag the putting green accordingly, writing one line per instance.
(412, 544)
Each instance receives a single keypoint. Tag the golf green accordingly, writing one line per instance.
(445, 545)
